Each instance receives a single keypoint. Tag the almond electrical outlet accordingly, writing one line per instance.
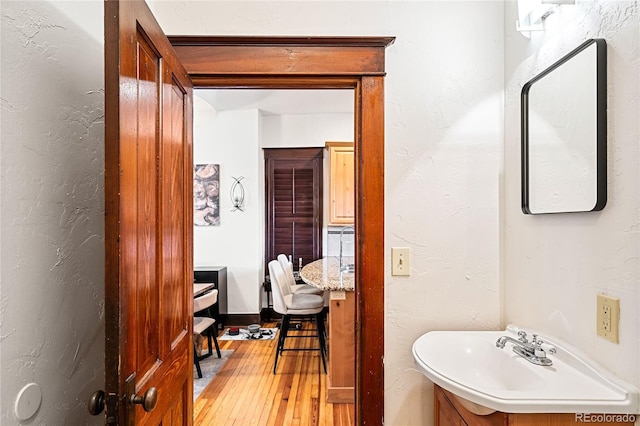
(399, 261)
(608, 317)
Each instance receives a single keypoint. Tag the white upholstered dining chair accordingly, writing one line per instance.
(203, 321)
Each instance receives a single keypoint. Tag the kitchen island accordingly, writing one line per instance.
(325, 274)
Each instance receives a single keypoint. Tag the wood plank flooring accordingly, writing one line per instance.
(246, 392)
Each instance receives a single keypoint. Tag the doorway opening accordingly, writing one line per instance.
(231, 128)
(355, 63)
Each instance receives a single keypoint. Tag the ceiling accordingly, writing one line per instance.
(280, 102)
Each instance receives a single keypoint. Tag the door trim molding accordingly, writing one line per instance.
(329, 63)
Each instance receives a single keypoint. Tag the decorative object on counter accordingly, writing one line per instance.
(206, 195)
(248, 334)
(237, 194)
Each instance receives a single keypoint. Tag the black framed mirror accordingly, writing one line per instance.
(564, 134)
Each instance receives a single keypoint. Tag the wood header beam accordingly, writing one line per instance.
(297, 56)
(190, 40)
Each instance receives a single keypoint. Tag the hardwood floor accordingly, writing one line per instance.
(246, 392)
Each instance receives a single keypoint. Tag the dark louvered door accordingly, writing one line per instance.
(294, 203)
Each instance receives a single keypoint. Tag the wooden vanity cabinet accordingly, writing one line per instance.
(341, 183)
(448, 411)
(444, 411)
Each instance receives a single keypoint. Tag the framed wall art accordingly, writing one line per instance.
(206, 195)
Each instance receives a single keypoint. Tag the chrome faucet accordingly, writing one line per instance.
(348, 267)
(531, 351)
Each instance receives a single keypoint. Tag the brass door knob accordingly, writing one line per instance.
(96, 403)
(148, 400)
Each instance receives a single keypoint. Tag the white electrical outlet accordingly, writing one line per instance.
(400, 261)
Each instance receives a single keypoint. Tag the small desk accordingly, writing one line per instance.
(201, 288)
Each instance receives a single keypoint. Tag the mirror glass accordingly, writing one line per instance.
(564, 134)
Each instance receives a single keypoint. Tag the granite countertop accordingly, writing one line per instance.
(325, 274)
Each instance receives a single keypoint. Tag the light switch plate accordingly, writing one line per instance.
(608, 317)
(400, 261)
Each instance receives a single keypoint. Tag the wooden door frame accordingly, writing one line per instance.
(324, 63)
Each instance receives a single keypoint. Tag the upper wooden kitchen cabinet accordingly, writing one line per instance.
(341, 183)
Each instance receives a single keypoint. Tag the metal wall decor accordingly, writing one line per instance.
(237, 194)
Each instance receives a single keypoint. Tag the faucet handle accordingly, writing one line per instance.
(537, 346)
(539, 350)
(522, 336)
(538, 342)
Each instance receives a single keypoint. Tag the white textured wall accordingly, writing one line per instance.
(555, 265)
(443, 157)
(52, 204)
(444, 127)
(300, 130)
(231, 140)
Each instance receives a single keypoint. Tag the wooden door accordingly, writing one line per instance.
(148, 224)
(293, 180)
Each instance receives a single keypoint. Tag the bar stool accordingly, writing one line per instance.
(290, 305)
(291, 280)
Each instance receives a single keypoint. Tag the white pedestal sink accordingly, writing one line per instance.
(469, 365)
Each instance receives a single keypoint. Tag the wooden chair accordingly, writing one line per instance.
(204, 322)
(290, 305)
